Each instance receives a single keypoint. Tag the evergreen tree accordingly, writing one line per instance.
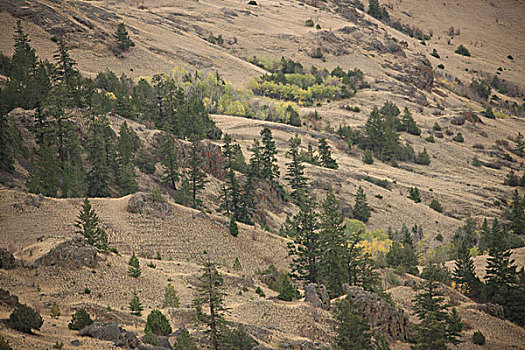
(210, 294)
(88, 226)
(516, 214)
(234, 229)
(485, 236)
(197, 177)
(185, 341)
(73, 175)
(305, 248)
(256, 159)
(135, 305)
(79, 320)
(466, 234)
(101, 155)
(352, 331)
(361, 210)
(6, 147)
(414, 194)
(128, 144)
(287, 291)
(67, 79)
(464, 273)
(295, 174)
(520, 145)
(423, 158)
(134, 266)
(157, 324)
(168, 158)
(408, 124)
(332, 245)
(231, 192)
(43, 174)
(437, 328)
(237, 339)
(122, 37)
(170, 297)
(381, 135)
(247, 200)
(269, 167)
(325, 154)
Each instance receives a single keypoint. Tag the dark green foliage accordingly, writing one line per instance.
(145, 162)
(101, 155)
(287, 290)
(6, 146)
(351, 330)
(234, 229)
(462, 50)
(135, 305)
(403, 254)
(476, 162)
(24, 319)
(211, 295)
(458, 137)
(381, 183)
(361, 211)
(381, 133)
(512, 179)
(430, 138)
(481, 88)
(441, 66)
(79, 320)
(439, 237)
(375, 10)
(128, 143)
(4, 344)
(185, 341)
(157, 324)
(88, 226)
(259, 291)
(325, 154)
(152, 339)
(436, 205)
(516, 214)
(332, 245)
(435, 53)
(295, 173)
(309, 23)
(196, 176)
(423, 158)
(237, 339)
(464, 273)
(407, 123)
(169, 160)
(436, 127)
(437, 328)
(170, 297)
(305, 249)
(520, 145)
(122, 37)
(269, 167)
(414, 194)
(44, 171)
(368, 157)
(134, 266)
(478, 338)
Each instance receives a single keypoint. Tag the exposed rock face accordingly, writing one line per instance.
(418, 72)
(73, 253)
(111, 332)
(7, 299)
(318, 296)
(143, 203)
(7, 260)
(488, 308)
(384, 319)
(464, 117)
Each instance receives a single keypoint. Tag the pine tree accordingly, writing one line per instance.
(332, 245)
(128, 144)
(185, 341)
(361, 210)
(67, 78)
(325, 154)
(408, 124)
(135, 305)
(295, 174)
(101, 155)
(234, 228)
(269, 167)
(210, 294)
(170, 297)
(423, 158)
(414, 194)
(88, 226)
(485, 236)
(43, 174)
(352, 331)
(256, 159)
(134, 266)
(6, 146)
(247, 200)
(516, 215)
(197, 177)
(168, 157)
(22, 71)
(464, 273)
(520, 145)
(437, 328)
(231, 192)
(305, 248)
(122, 37)
(287, 291)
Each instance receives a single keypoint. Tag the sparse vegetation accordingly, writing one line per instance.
(134, 266)
(157, 324)
(458, 137)
(25, 319)
(436, 206)
(135, 306)
(79, 320)
(171, 298)
(478, 338)
(462, 50)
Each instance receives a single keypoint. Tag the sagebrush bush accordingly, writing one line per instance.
(24, 319)
(478, 338)
(459, 137)
(436, 205)
(462, 50)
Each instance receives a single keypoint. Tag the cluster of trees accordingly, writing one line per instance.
(381, 135)
(288, 81)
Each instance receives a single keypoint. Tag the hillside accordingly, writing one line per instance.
(237, 48)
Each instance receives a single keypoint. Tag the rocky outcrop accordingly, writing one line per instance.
(318, 296)
(464, 117)
(490, 309)
(7, 299)
(384, 318)
(111, 332)
(7, 260)
(144, 203)
(73, 253)
(419, 73)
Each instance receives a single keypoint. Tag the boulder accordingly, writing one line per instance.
(7, 260)
(384, 318)
(75, 252)
(144, 203)
(318, 296)
(490, 309)
(111, 332)
(418, 73)
(7, 299)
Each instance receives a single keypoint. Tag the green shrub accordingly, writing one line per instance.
(458, 137)
(55, 310)
(368, 157)
(430, 138)
(158, 324)
(462, 50)
(79, 320)
(476, 162)
(234, 228)
(259, 291)
(287, 291)
(170, 297)
(185, 341)
(439, 237)
(152, 339)
(436, 127)
(441, 66)
(237, 339)
(436, 205)
(435, 53)
(317, 26)
(478, 338)
(252, 2)
(145, 162)
(309, 23)
(414, 194)
(87, 291)
(423, 158)
(24, 319)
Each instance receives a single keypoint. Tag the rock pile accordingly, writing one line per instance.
(318, 296)
(73, 253)
(7, 260)
(144, 203)
(112, 332)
